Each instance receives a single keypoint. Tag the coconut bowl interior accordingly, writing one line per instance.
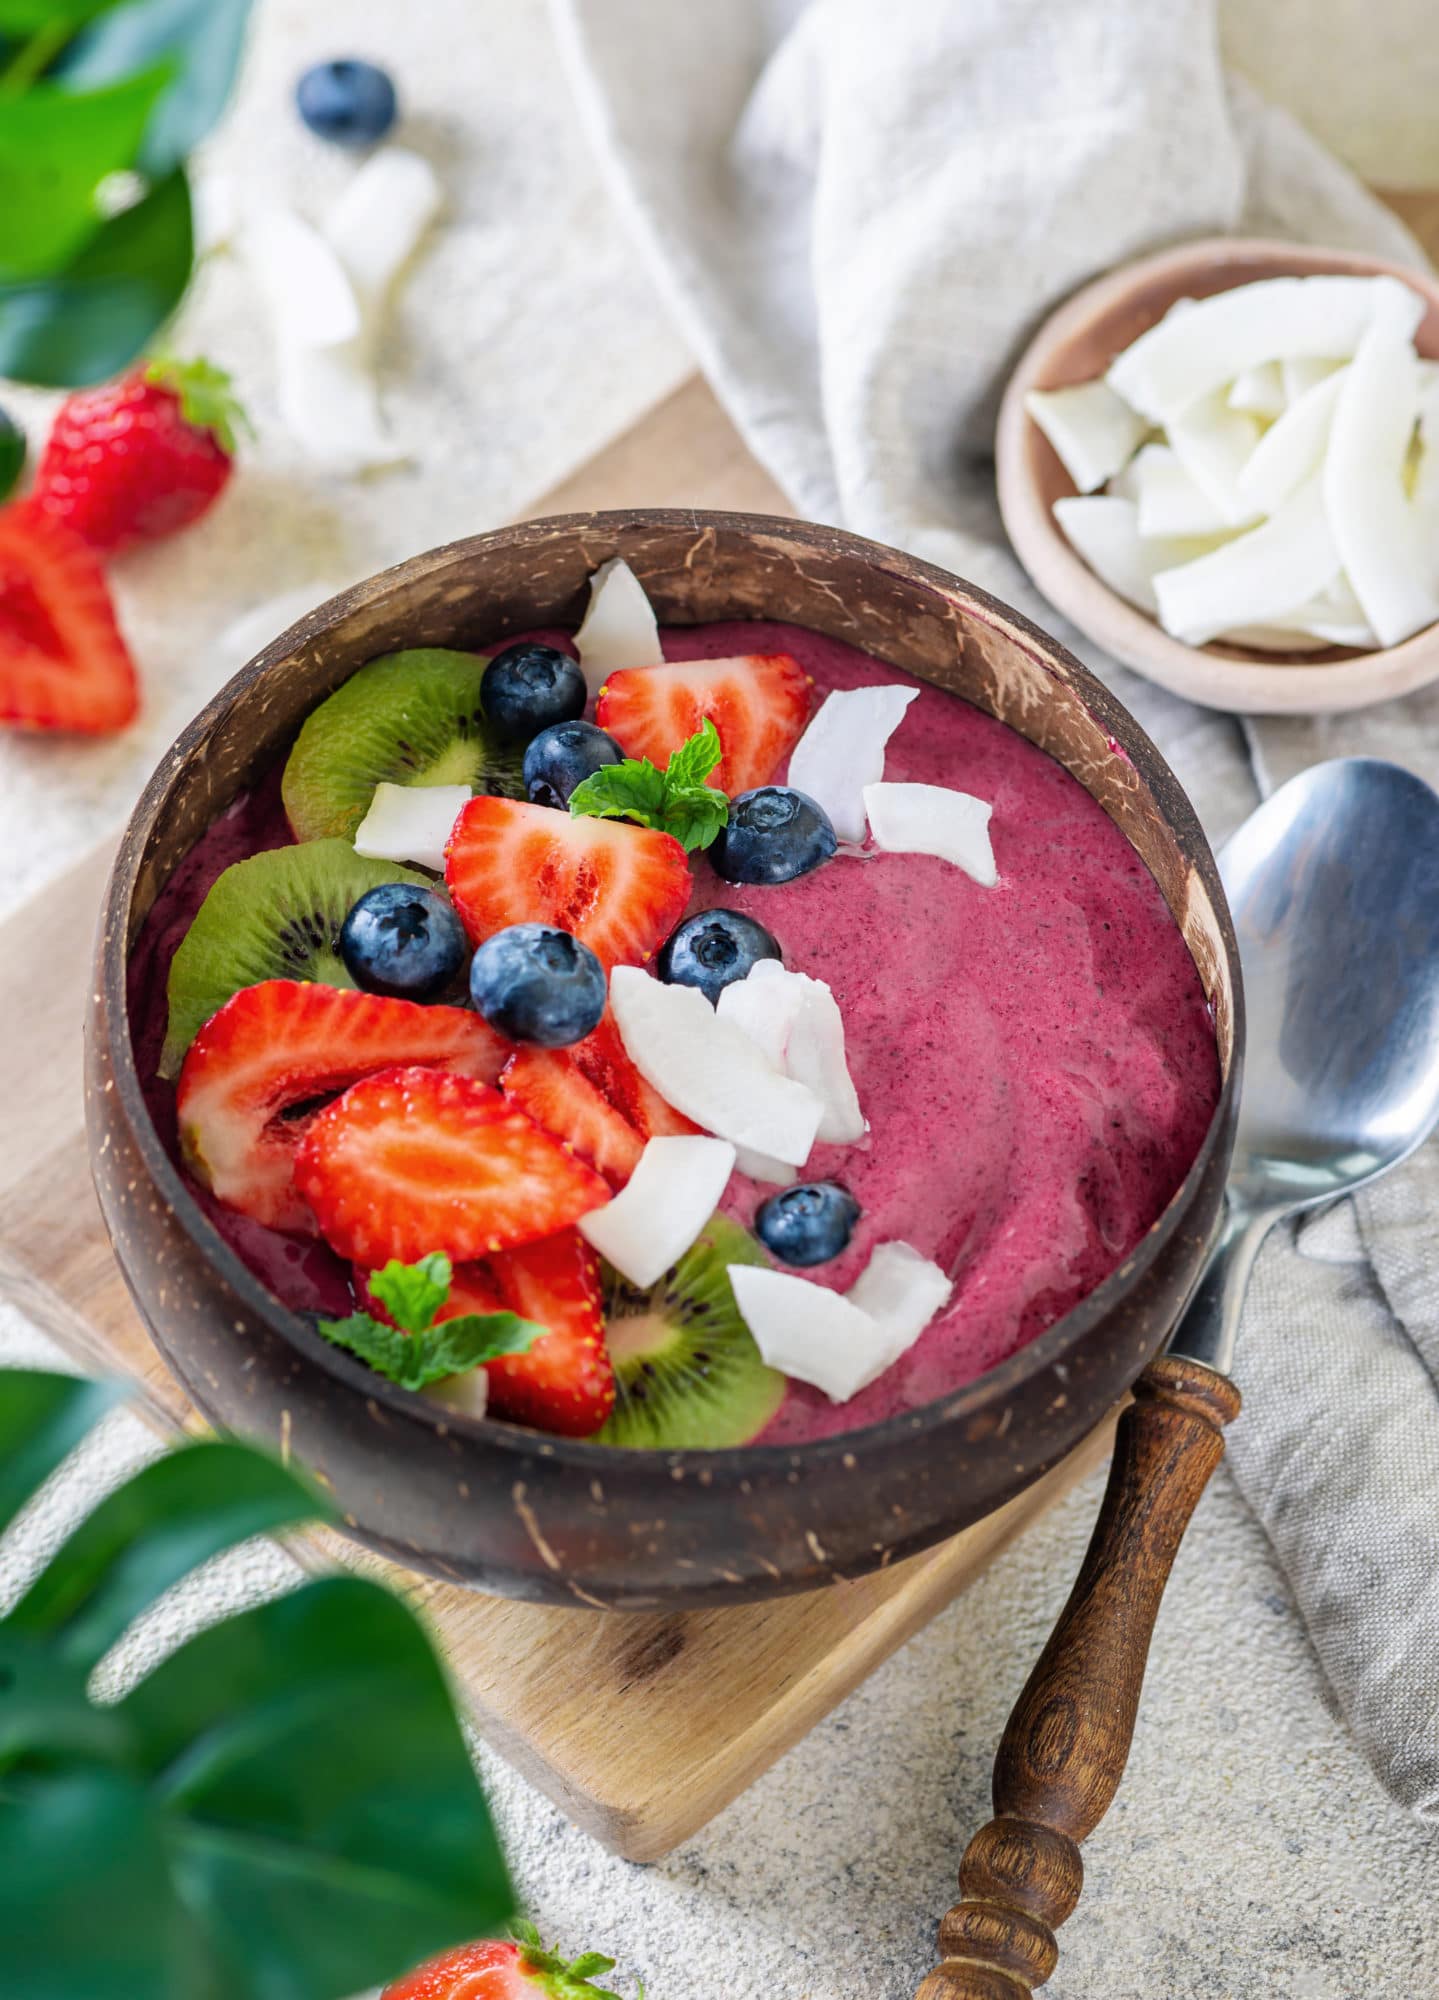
(1077, 343)
(506, 1509)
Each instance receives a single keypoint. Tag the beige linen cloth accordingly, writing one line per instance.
(858, 210)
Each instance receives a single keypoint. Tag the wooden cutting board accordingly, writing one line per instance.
(640, 1727)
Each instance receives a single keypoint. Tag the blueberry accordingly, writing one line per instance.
(536, 984)
(528, 688)
(403, 941)
(563, 756)
(712, 948)
(807, 1224)
(349, 102)
(12, 454)
(773, 834)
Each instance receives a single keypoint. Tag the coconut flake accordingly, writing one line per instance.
(1105, 532)
(1300, 372)
(761, 1167)
(411, 823)
(902, 1292)
(1094, 431)
(379, 221)
(1259, 390)
(672, 1193)
(1375, 528)
(1292, 449)
(933, 819)
(1213, 444)
(710, 1070)
(304, 286)
(809, 1332)
(843, 749)
(468, 1393)
(1188, 355)
(1169, 500)
(619, 628)
(795, 1021)
(330, 404)
(1255, 578)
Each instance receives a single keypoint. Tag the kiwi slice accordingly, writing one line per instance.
(276, 915)
(687, 1371)
(409, 718)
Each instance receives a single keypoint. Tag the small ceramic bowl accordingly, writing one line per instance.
(1077, 343)
(553, 1518)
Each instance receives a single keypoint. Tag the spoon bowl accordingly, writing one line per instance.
(1334, 887)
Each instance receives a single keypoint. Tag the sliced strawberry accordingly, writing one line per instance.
(593, 1098)
(759, 704)
(414, 1160)
(604, 1061)
(550, 1085)
(565, 1383)
(63, 663)
(621, 889)
(257, 1071)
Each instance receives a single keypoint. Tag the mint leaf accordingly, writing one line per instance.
(633, 790)
(416, 1351)
(412, 1294)
(387, 1351)
(470, 1338)
(675, 801)
(692, 763)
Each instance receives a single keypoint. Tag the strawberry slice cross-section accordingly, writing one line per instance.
(620, 889)
(260, 1068)
(414, 1160)
(593, 1098)
(758, 703)
(63, 662)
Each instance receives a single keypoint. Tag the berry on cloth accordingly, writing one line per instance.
(347, 101)
(63, 661)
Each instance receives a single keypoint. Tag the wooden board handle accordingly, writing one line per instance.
(1067, 1742)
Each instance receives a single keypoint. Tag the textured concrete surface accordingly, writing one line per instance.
(1250, 1851)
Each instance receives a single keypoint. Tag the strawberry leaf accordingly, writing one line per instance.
(676, 800)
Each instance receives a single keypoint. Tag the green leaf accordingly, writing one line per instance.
(44, 1707)
(12, 455)
(415, 1360)
(205, 40)
(413, 1293)
(692, 763)
(322, 1809)
(90, 1910)
(171, 1516)
(91, 320)
(29, 17)
(468, 1339)
(42, 1419)
(55, 149)
(675, 800)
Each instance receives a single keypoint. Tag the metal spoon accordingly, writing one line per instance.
(1334, 886)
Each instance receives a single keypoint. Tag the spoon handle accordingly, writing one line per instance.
(1067, 1741)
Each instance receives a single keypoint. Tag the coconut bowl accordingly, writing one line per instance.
(1078, 342)
(506, 1509)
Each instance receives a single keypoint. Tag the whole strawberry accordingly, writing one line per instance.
(522, 1970)
(139, 458)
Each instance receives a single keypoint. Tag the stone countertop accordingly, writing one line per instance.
(1250, 1851)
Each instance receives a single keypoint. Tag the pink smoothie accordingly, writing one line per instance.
(1036, 1061)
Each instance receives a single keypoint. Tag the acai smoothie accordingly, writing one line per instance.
(512, 1061)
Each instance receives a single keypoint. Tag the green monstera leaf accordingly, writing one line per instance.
(283, 1810)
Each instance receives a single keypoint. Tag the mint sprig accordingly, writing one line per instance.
(675, 800)
(415, 1351)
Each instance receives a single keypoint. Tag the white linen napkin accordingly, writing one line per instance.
(858, 213)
